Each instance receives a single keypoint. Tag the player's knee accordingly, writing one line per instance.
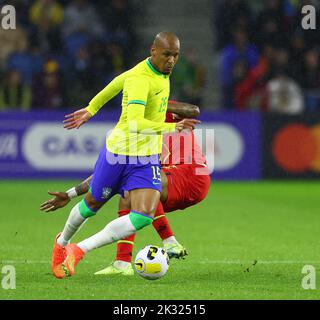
(89, 206)
(85, 210)
(92, 203)
(149, 211)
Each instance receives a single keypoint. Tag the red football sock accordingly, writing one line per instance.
(161, 223)
(125, 246)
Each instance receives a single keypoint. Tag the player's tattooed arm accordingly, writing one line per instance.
(61, 199)
(84, 186)
(183, 110)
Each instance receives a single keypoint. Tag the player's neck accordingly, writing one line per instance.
(155, 67)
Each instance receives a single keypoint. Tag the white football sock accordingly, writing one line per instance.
(116, 229)
(73, 224)
(170, 240)
(119, 264)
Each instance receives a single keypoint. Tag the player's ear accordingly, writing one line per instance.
(153, 50)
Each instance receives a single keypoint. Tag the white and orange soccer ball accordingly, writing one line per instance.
(151, 262)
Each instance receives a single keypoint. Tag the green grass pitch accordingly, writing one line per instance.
(274, 223)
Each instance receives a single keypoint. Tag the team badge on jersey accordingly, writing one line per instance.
(106, 192)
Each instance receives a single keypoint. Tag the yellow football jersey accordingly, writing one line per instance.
(144, 106)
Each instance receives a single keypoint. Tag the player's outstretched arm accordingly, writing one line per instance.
(137, 122)
(183, 110)
(61, 199)
(76, 119)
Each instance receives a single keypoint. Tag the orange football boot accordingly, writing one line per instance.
(73, 255)
(58, 256)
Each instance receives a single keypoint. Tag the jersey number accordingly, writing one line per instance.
(163, 104)
(156, 173)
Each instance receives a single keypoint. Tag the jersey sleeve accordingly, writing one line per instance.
(105, 95)
(137, 89)
(138, 123)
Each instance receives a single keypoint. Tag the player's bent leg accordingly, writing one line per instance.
(125, 245)
(143, 204)
(122, 263)
(115, 230)
(85, 209)
(173, 248)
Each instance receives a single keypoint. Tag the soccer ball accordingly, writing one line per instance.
(152, 262)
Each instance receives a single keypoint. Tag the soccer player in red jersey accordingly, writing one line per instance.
(185, 182)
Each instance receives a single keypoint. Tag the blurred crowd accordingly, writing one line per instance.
(268, 61)
(63, 52)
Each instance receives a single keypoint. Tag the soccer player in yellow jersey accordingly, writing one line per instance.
(130, 160)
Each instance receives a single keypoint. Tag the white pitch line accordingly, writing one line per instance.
(201, 262)
(28, 262)
(258, 262)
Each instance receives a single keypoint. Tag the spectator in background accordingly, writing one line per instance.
(26, 62)
(297, 48)
(251, 91)
(48, 88)
(115, 58)
(45, 36)
(188, 79)
(229, 16)
(87, 50)
(107, 61)
(81, 17)
(240, 51)
(10, 42)
(309, 79)
(284, 95)
(270, 26)
(46, 10)
(281, 62)
(117, 15)
(82, 78)
(46, 17)
(14, 94)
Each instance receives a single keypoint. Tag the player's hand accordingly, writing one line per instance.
(60, 200)
(187, 124)
(76, 119)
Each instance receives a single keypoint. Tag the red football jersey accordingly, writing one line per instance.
(180, 148)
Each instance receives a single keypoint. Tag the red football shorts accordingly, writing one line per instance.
(185, 187)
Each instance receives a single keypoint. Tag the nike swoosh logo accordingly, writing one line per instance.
(159, 91)
(157, 182)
